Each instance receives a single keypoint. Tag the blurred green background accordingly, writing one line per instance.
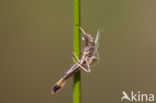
(36, 39)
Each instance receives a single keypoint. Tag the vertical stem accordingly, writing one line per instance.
(77, 76)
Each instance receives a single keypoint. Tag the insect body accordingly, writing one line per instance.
(88, 57)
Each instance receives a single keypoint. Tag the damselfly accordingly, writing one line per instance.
(88, 57)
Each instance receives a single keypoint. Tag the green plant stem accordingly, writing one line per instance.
(77, 76)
